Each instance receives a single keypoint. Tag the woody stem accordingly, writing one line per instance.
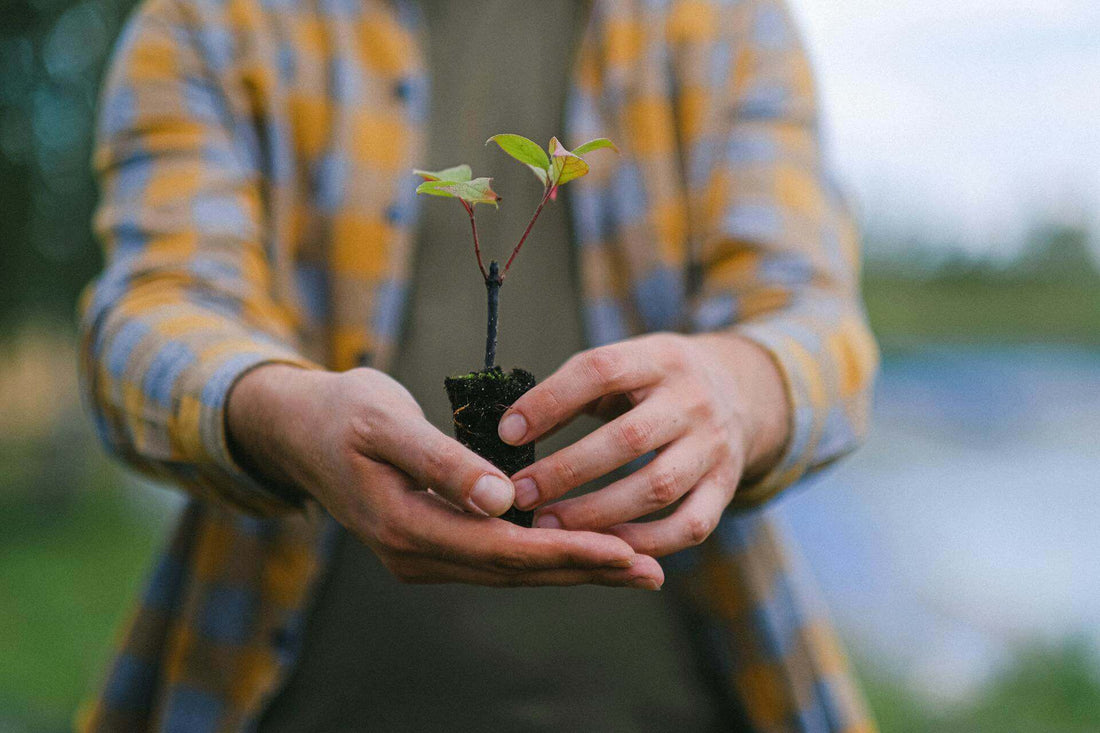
(477, 244)
(530, 224)
(493, 281)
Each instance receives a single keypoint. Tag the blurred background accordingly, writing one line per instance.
(958, 549)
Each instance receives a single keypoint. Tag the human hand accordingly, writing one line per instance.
(359, 443)
(713, 406)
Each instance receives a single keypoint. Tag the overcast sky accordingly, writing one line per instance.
(962, 119)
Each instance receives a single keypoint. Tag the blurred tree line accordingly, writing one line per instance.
(1048, 293)
(52, 56)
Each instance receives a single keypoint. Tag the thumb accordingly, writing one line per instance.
(450, 469)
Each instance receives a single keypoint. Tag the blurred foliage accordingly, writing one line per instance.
(52, 55)
(76, 537)
(1046, 688)
(1049, 293)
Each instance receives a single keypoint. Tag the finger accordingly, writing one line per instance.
(645, 574)
(604, 409)
(586, 377)
(434, 530)
(652, 424)
(688, 526)
(446, 466)
(665, 479)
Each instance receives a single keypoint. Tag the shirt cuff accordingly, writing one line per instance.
(203, 434)
(802, 385)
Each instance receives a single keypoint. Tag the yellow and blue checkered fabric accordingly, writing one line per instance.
(256, 206)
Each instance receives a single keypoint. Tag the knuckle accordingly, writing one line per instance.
(444, 468)
(393, 538)
(565, 474)
(699, 407)
(664, 485)
(697, 528)
(605, 366)
(361, 433)
(723, 446)
(726, 475)
(544, 404)
(636, 435)
(440, 459)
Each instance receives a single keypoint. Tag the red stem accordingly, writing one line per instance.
(477, 244)
(530, 224)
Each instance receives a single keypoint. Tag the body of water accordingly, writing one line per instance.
(968, 523)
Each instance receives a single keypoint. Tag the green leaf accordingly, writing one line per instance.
(600, 142)
(542, 175)
(457, 173)
(565, 166)
(522, 149)
(525, 151)
(477, 191)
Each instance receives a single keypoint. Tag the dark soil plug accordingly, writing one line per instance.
(478, 400)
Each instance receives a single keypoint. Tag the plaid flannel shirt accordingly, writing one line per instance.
(257, 206)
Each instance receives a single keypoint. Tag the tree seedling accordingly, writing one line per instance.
(479, 398)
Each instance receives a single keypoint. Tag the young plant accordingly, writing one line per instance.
(553, 167)
(478, 399)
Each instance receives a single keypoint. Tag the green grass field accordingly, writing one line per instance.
(70, 565)
(907, 313)
(1048, 294)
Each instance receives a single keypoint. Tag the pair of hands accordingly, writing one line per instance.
(712, 407)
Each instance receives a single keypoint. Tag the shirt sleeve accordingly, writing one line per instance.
(779, 260)
(184, 307)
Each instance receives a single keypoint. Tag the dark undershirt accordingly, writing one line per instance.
(386, 656)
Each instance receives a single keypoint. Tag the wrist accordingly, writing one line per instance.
(267, 420)
(759, 382)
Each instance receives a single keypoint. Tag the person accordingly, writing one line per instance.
(276, 315)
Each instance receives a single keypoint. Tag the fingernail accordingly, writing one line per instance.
(492, 495)
(548, 521)
(645, 584)
(512, 428)
(626, 562)
(527, 493)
